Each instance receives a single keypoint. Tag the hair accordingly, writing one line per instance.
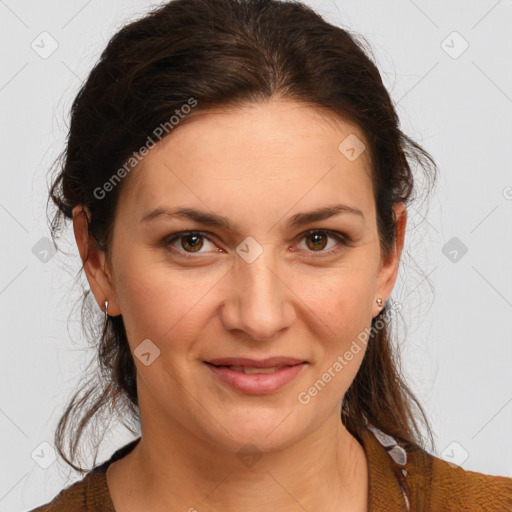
(228, 54)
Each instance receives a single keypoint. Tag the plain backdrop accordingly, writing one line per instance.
(448, 67)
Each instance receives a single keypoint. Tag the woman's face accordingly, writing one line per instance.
(263, 283)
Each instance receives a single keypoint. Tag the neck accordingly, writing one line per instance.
(326, 470)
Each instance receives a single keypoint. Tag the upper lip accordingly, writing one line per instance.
(270, 362)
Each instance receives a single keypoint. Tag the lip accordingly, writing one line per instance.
(256, 383)
(269, 362)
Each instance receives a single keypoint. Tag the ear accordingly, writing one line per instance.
(389, 267)
(94, 262)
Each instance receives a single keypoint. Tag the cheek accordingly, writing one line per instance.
(157, 303)
(345, 307)
(343, 300)
(343, 303)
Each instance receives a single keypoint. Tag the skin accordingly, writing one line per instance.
(296, 299)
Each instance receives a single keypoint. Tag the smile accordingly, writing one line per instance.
(255, 381)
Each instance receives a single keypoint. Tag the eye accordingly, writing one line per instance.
(189, 242)
(316, 241)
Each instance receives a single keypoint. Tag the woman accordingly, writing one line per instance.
(237, 182)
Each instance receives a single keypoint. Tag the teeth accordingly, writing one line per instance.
(247, 369)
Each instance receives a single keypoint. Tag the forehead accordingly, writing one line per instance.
(259, 154)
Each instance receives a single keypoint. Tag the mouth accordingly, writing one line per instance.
(249, 370)
(256, 363)
(256, 376)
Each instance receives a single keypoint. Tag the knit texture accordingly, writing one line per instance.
(399, 481)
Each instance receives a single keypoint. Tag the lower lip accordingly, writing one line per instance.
(256, 383)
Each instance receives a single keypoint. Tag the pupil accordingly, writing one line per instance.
(195, 243)
(317, 240)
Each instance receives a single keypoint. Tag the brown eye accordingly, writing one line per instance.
(192, 242)
(317, 241)
(187, 242)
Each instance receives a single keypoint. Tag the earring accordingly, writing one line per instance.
(106, 311)
(379, 302)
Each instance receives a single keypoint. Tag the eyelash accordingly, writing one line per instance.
(343, 240)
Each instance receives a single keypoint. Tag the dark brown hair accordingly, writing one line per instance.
(227, 53)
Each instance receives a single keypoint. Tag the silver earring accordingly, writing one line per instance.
(379, 302)
(106, 311)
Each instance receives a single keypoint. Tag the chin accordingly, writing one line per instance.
(266, 436)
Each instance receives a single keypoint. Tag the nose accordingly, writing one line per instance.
(259, 301)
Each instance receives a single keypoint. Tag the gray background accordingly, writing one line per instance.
(457, 347)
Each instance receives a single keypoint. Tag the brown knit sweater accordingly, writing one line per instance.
(400, 481)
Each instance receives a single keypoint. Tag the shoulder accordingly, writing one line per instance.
(430, 483)
(469, 490)
(449, 487)
(90, 493)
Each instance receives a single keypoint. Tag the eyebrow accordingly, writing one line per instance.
(219, 221)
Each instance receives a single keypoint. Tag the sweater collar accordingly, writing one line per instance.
(385, 492)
